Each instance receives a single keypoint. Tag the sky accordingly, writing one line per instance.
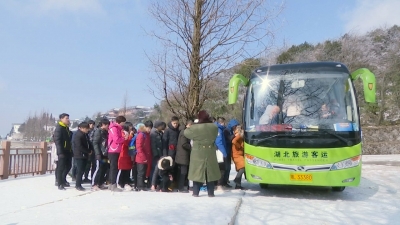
(81, 57)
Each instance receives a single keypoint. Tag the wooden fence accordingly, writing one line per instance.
(24, 161)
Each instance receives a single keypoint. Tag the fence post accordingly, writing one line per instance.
(43, 158)
(5, 145)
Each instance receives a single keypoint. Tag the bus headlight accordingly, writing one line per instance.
(348, 163)
(252, 160)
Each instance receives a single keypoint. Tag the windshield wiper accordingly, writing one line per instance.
(347, 142)
(258, 141)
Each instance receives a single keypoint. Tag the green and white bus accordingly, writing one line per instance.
(302, 124)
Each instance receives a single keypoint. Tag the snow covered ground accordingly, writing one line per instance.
(35, 200)
(375, 201)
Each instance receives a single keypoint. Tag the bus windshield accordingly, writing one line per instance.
(322, 103)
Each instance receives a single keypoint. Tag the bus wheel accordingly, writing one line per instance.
(264, 186)
(338, 189)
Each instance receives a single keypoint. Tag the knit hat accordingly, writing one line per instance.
(165, 163)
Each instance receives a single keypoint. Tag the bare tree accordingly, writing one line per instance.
(390, 83)
(36, 127)
(201, 39)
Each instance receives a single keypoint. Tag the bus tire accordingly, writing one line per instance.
(263, 186)
(338, 189)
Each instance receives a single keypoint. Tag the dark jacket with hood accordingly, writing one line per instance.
(82, 145)
(168, 170)
(183, 149)
(229, 135)
(100, 143)
(62, 139)
(170, 139)
(156, 140)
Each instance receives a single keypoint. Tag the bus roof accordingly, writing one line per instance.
(310, 67)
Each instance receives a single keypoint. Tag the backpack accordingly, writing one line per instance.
(132, 146)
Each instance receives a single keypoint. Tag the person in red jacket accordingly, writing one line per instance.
(143, 156)
(125, 161)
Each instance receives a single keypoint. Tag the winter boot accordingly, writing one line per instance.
(80, 188)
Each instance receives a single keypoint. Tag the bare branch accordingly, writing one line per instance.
(201, 39)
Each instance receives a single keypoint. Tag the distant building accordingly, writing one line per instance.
(49, 128)
(138, 111)
(14, 133)
(15, 128)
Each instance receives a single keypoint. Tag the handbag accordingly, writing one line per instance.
(220, 156)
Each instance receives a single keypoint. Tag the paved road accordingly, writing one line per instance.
(377, 201)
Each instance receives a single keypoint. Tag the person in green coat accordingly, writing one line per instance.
(203, 164)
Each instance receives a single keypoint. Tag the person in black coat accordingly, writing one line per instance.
(100, 145)
(182, 158)
(91, 163)
(82, 150)
(73, 170)
(156, 137)
(170, 141)
(170, 138)
(62, 139)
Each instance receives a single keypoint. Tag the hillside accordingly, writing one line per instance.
(378, 50)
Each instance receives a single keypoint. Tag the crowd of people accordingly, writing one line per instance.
(159, 156)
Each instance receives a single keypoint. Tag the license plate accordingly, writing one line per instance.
(301, 177)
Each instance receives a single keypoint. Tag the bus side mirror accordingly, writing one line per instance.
(369, 83)
(234, 87)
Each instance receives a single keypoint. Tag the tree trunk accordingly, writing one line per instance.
(194, 87)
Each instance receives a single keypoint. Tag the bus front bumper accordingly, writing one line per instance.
(336, 178)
